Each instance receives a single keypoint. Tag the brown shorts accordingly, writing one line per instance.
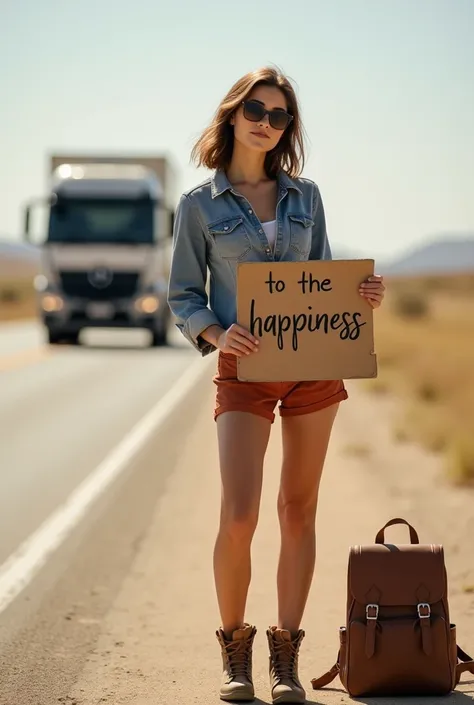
(261, 397)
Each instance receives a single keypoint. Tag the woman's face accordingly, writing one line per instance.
(260, 135)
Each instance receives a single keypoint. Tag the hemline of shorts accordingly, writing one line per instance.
(342, 395)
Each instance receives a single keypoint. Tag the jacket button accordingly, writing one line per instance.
(226, 227)
(250, 211)
(267, 249)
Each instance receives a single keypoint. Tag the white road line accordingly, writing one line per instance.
(22, 566)
(20, 323)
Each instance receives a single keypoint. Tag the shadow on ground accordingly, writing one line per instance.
(455, 698)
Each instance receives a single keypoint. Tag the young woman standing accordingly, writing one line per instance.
(253, 208)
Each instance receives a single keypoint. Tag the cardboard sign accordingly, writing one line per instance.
(311, 321)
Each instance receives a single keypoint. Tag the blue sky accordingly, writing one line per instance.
(386, 88)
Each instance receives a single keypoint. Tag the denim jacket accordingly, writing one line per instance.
(216, 228)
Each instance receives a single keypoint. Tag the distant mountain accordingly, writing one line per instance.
(440, 256)
(18, 259)
(15, 248)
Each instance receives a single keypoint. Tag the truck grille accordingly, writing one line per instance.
(121, 284)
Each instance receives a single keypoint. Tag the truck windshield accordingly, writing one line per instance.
(101, 221)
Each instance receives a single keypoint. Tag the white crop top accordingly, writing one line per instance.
(270, 231)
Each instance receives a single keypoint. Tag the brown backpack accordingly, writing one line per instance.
(398, 639)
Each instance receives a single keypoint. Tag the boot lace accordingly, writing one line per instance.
(285, 659)
(238, 657)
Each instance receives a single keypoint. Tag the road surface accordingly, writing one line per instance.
(63, 408)
(123, 612)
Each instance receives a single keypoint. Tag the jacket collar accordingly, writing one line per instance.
(220, 183)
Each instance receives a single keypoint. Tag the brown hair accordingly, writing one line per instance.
(214, 147)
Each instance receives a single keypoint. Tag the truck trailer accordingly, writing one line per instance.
(106, 253)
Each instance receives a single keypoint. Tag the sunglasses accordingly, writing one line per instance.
(255, 112)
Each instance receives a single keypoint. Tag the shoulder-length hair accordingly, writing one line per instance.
(214, 147)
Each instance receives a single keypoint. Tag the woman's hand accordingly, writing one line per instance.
(373, 290)
(237, 341)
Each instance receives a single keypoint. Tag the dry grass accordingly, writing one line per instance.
(17, 299)
(425, 344)
(358, 450)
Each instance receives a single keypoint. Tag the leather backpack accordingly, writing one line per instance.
(398, 639)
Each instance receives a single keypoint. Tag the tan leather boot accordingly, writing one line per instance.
(284, 682)
(237, 683)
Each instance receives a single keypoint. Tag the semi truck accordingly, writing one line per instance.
(106, 252)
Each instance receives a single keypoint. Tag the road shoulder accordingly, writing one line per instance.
(157, 643)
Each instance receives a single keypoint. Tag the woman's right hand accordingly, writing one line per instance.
(237, 341)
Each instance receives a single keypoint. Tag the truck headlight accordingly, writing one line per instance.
(147, 304)
(40, 282)
(51, 303)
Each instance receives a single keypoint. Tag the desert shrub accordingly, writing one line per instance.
(411, 305)
(461, 460)
(10, 295)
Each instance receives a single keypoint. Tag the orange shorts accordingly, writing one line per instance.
(261, 397)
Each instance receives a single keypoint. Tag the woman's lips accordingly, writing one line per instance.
(260, 134)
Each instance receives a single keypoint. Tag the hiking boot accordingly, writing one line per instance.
(237, 683)
(284, 682)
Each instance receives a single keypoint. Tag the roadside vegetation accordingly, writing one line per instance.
(17, 298)
(424, 338)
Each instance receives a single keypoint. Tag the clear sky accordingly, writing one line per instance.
(386, 87)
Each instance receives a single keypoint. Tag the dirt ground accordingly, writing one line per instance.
(157, 644)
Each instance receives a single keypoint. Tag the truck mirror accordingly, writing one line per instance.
(26, 226)
(171, 223)
(29, 211)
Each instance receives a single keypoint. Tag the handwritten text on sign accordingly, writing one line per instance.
(310, 318)
(349, 324)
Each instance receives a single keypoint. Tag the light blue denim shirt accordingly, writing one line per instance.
(216, 228)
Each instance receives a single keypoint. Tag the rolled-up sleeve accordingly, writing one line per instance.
(187, 295)
(320, 248)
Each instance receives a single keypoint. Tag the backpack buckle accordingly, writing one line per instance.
(372, 607)
(424, 606)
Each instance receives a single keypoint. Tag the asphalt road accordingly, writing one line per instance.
(66, 411)
(62, 409)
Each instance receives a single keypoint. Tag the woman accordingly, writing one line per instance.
(255, 208)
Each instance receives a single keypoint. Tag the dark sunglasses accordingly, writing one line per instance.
(255, 112)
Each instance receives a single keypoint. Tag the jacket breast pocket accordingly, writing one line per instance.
(301, 232)
(230, 238)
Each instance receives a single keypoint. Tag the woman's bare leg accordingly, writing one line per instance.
(242, 440)
(305, 443)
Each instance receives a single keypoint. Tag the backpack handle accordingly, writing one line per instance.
(380, 538)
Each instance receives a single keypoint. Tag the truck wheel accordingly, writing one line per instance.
(53, 337)
(158, 338)
(56, 337)
(72, 338)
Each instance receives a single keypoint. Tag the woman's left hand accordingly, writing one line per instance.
(373, 290)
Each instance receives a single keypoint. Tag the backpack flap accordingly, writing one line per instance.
(408, 581)
(400, 576)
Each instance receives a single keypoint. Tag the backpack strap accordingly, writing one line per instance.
(467, 664)
(328, 677)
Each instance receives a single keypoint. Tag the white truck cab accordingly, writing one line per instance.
(105, 258)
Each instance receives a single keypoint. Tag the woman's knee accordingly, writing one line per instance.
(239, 522)
(296, 516)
